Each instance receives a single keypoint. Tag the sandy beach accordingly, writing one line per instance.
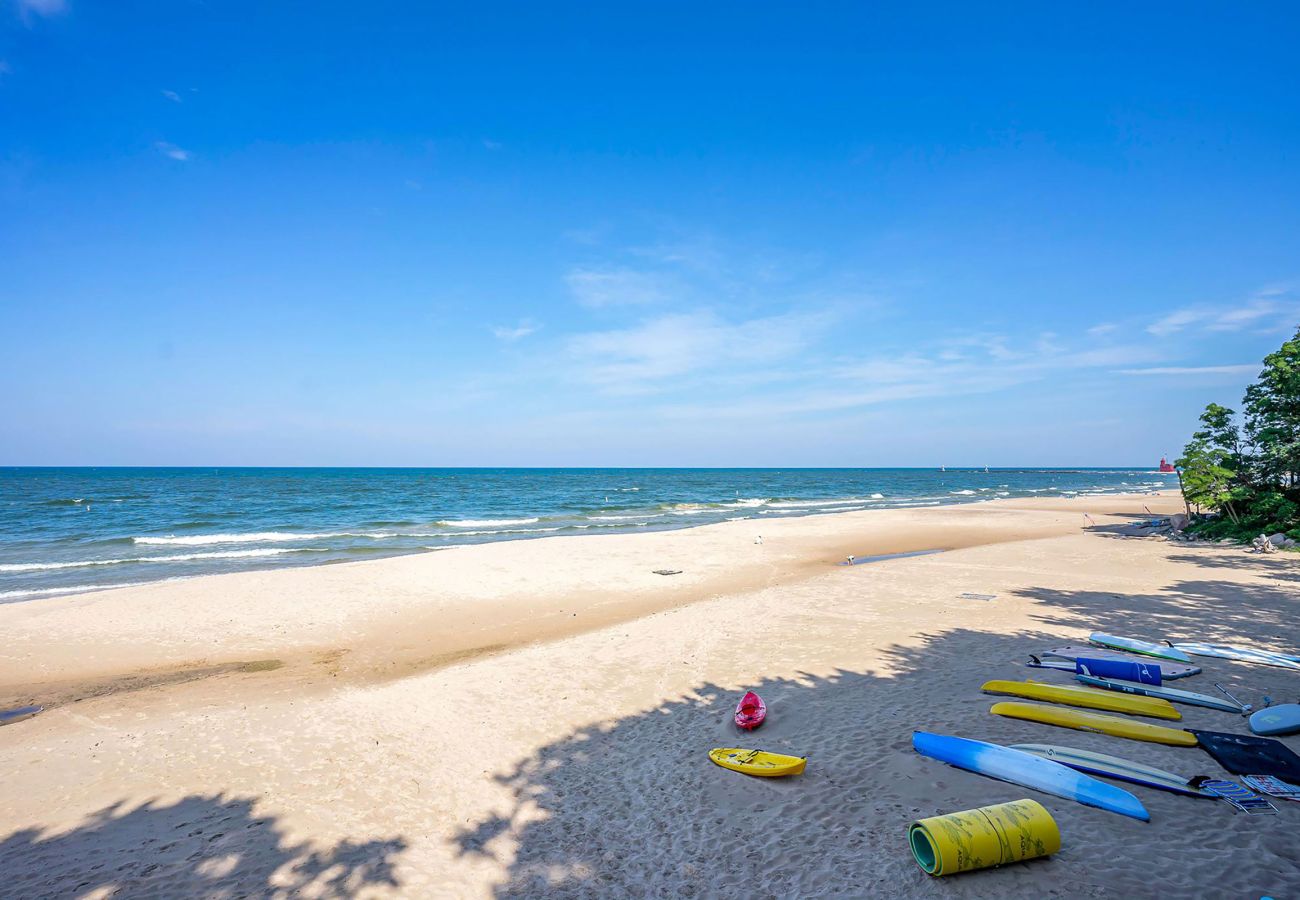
(521, 718)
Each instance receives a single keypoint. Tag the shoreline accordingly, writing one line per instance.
(83, 531)
(387, 618)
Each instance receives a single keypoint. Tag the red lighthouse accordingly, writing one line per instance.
(1165, 465)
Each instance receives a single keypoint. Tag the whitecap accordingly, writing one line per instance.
(253, 537)
(485, 523)
(178, 557)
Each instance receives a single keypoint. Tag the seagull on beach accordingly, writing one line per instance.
(758, 540)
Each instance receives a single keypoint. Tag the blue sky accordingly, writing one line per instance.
(638, 234)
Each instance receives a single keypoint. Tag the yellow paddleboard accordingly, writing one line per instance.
(757, 762)
(1069, 718)
(1074, 696)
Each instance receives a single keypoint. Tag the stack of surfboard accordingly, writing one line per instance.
(1119, 675)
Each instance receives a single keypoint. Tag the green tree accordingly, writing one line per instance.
(1272, 408)
(1208, 468)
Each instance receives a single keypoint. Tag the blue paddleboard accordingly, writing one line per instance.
(1272, 720)
(1018, 767)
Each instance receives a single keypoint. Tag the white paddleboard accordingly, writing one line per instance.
(1239, 653)
(1133, 645)
(1114, 767)
(1165, 693)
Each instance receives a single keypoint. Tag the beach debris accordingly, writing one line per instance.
(10, 716)
(969, 596)
(1262, 544)
(668, 571)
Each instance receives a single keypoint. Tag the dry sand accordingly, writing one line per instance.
(533, 717)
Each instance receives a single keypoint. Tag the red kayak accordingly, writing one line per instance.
(751, 712)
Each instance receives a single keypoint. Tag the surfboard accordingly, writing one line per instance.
(1240, 654)
(1114, 767)
(1142, 648)
(757, 762)
(1029, 771)
(1089, 699)
(1164, 693)
(1168, 669)
(1095, 722)
(1274, 720)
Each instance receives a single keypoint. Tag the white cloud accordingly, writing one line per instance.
(617, 287)
(171, 151)
(514, 333)
(968, 365)
(172, 96)
(1175, 321)
(1269, 303)
(489, 144)
(1243, 316)
(1103, 329)
(642, 357)
(41, 7)
(1243, 369)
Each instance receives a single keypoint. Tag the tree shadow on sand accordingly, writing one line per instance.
(633, 807)
(200, 846)
(1282, 566)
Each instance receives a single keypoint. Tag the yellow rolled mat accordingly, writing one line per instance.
(983, 838)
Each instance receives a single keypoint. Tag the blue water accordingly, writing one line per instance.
(66, 530)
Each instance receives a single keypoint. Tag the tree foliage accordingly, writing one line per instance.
(1250, 471)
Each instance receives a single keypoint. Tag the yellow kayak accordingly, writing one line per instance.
(1074, 696)
(757, 762)
(1069, 718)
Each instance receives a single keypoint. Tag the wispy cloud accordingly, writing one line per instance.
(598, 287)
(171, 151)
(29, 8)
(643, 357)
(1243, 369)
(1268, 303)
(489, 144)
(511, 333)
(172, 96)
